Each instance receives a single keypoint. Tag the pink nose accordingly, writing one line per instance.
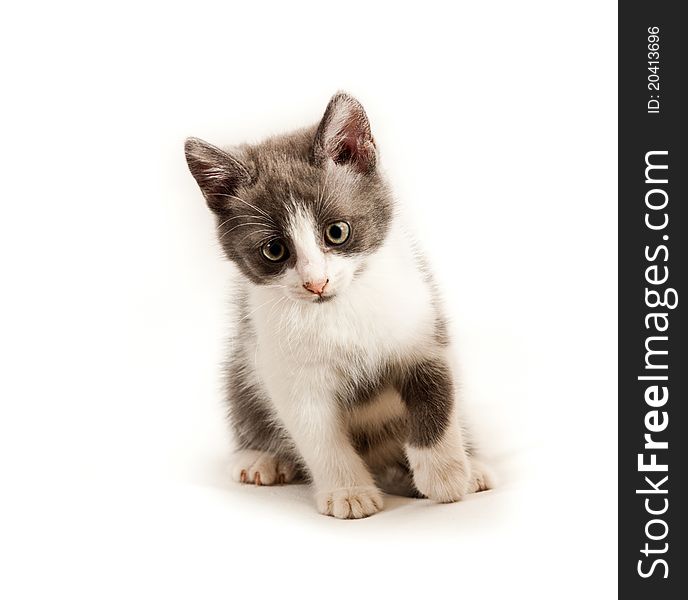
(316, 287)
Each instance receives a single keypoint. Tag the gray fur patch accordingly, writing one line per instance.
(366, 440)
(427, 390)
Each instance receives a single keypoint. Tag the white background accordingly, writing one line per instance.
(497, 126)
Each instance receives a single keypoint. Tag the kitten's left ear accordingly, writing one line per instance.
(344, 135)
(217, 173)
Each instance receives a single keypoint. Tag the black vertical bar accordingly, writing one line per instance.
(653, 552)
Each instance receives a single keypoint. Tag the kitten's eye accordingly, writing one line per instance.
(275, 251)
(337, 233)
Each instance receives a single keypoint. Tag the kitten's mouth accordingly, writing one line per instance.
(321, 299)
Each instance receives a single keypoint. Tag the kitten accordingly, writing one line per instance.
(340, 365)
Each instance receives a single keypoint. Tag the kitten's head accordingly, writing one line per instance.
(302, 211)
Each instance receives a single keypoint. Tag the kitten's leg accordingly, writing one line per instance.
(435, 447)
(265, 455)
(262, 468)
(344, 488)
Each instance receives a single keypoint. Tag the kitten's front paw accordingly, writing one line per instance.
(261, 468)
(350, 503)
(440, 478)
(482, 478)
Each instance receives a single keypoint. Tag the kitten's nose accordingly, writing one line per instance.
(316, 287)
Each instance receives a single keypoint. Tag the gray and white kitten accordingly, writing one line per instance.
(340, 366)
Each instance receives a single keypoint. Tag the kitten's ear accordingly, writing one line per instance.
(344, 135)
(217, 173)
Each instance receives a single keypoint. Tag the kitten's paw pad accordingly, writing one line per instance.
(442, 480)
(261, 468)
(350, 503)
(482, 478)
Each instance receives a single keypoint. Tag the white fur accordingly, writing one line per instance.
(311, 263)
(442, 472)
(314, 265)
(383, 313)
(261, 468)
(349, 503)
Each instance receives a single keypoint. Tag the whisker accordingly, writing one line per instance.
(329, 201)
(243, 216)
(261, 211)
(274, 306)
(322, 196)
(246, 316)
(239, 225)
(269, 235)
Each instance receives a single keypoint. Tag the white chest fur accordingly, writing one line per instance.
(386, 312)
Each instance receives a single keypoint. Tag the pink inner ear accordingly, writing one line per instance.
(353, 145)
(346, 151)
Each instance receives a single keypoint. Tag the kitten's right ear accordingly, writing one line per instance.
(217, 173)
(344, 135)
